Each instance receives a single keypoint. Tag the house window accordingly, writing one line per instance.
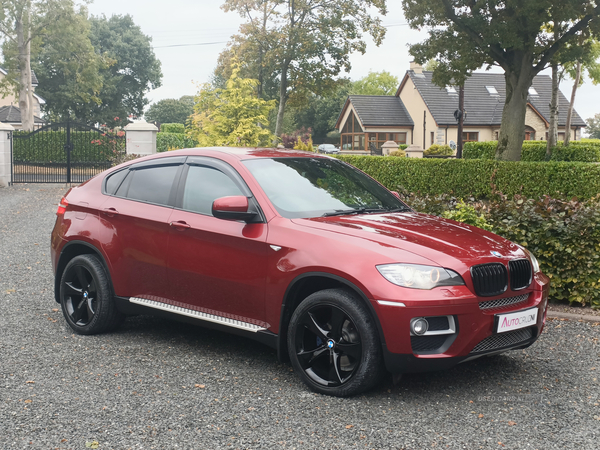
(470, 136)
(529, 134)
(496, 134)
(353, 136)
(378, 139)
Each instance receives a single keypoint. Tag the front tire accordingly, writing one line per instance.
(86, 297)
(334, 345)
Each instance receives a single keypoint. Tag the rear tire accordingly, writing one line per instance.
(334, 345)
(86, 297)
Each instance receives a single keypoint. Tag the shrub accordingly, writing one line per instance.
(441, 150)
(402, 146)
(301, 145)
(290, 140)
(551, 229)
(172, 128)
(480, 150)
(398, 153)
(173, 141)
(467, 214)
(480, 178)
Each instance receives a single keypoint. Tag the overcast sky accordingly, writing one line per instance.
(188, 36)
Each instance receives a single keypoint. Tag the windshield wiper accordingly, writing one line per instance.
(362, 210)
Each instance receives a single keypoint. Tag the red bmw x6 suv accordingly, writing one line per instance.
(300, 251)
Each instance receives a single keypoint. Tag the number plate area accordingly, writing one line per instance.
(516, 320)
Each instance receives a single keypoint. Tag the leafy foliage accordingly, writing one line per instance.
(375, 83)
(398, 153)
(134, 71)
(171, 110)
(436, 149)
(166, 141)
(302, 44)
(305, 146)
(172, 128)
(479, 178)
(290, 140)
(593, 126)
(563, 235)
(585, 151)
(231, 116)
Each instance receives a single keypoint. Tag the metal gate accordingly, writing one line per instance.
(66, 152)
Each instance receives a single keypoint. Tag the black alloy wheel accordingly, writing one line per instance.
(86, 297)
(333, 344)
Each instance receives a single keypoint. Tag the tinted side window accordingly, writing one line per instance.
(152, 184)
(203, 186)
(114, 181)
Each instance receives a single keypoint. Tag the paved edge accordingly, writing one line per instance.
(569, 316)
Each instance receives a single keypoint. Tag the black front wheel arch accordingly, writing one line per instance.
(86, 296)
(334, 345)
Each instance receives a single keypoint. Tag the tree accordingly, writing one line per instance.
(171, 110)
(593, 127)
(134, 71)
(21, 21)
(467, 34)
(68, 69)
(376, 83)
(231, 116)
(310, 41)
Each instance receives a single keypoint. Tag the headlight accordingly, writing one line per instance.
(419, 277)
(534, 262)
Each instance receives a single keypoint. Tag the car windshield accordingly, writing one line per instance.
(328, 146)
(315, 187)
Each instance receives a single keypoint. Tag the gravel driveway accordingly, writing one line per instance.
(155, 384)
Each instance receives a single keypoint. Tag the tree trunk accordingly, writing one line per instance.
(24, 58)
(553, 128)
(570, 110)
(512, 132)
(282, 98)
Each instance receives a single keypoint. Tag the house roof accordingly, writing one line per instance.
(12, 114)
(378, 111)
(34, 80)
(485, 94)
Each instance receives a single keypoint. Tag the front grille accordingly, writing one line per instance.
(502, 340)
(502, 303)
(489, 279)
(520, 274)
(427, 343)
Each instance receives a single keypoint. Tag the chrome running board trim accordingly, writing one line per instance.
(197, 314)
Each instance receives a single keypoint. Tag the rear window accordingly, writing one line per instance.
(152, 184)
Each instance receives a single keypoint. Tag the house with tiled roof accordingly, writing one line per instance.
(12, 100)
(428, 112)
(12, 116)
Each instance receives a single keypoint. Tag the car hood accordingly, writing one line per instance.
(442, 241)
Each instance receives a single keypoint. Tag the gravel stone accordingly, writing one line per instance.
(156, 384)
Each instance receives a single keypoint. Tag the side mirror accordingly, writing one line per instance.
(232, 208)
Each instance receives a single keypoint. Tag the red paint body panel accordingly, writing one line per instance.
(243, 270)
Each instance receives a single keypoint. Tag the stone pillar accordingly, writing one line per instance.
(414, 151)
(140, 138)
(5, 155)
(388, 147)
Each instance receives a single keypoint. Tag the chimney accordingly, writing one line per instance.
(416, 68)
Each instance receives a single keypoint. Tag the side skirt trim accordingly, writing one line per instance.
(197, 314)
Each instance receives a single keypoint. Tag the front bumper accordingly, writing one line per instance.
(475, 331)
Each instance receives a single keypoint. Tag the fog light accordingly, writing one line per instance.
(419, 326)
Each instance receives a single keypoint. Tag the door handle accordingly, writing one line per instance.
(110, 212)
(179, 224)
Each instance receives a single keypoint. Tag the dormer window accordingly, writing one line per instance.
(492, 90)
(451, 89)
(532, 91)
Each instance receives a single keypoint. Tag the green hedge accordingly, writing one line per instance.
(563, 234)
(479, 178)
(172, 128)
(48, 147)
(173, 141)
(583, 151)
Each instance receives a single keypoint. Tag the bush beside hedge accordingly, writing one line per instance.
(479, 178)
(563, 235)
(173, 141)
(583, 151)
(172, 128)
